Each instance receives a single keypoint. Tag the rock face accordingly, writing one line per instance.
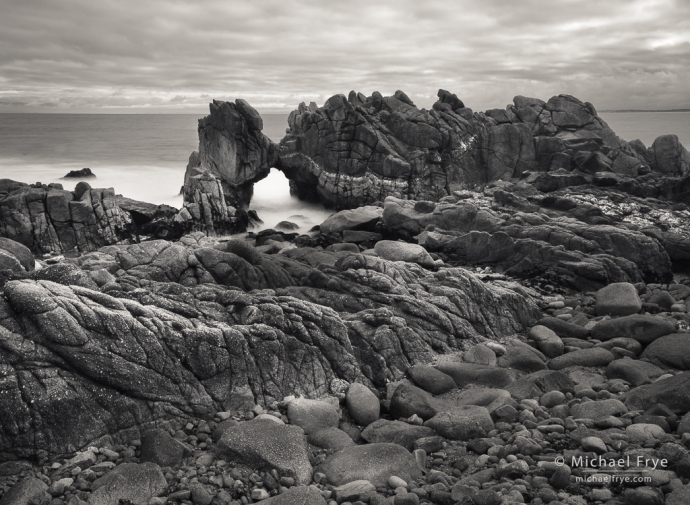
(471, 228)
(373, 462)
(357, 150)
(233, 154)
(49, 219)
(175, 335)
(668, 156)
(233, 149)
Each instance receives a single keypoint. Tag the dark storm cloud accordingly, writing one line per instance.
(177, 54)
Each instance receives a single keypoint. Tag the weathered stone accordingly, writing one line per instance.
(312, 415)
(360, 218)
(331, 439)
(395, 432)
(536, 384)
(628, 370)
(430, 379)
(27, 491)
(469, 373)
(670, 351)
(262, 443)
(408, 400)
(547, 341)
(298, 495)
(464, 423)
(137, 483)
(673, 392)
(362, 404)
(353, 491)
(598, 409)
(480, 355)
(564, 329)
(401, 251)
(157, 446)
(594, 357)
(644, 433)
(373, 462)
(618, 299)
(643, 328)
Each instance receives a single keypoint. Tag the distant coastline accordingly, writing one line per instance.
(643, 110)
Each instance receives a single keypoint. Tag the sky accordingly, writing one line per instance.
(177, 55)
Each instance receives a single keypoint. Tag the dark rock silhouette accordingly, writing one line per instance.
(359, 150)
(83, 173)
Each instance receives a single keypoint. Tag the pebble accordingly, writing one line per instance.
(396, 482)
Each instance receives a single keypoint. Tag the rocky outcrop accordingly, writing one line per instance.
(526, 243)
(205, 206)
(668, 156)
(233, 155)
(233, 149)
(358, 150)
(49, 219)
(182, 330)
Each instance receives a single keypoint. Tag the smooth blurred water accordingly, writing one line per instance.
(144, 156)
(647, 126)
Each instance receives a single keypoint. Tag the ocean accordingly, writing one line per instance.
(144, 156)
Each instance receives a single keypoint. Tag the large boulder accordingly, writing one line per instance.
(618, 299)
(19, 251)
(312, 415)
(464, 423)
(547, 341)
(28, 491)
(265, 444)
(402, 251)
(670, 351)
(430, 379)
(408, 400)
(593, 357)
(563, 328)
(668, 156)
(373, 462)
(469, 373)
(157, 446)
(128, 482)
(360, 218)
(673, 392)
(598, 409)
(233, 149)
(628, 370)
(643, 328)
(395, 432)
(362, 405)
(203, 330)
(536, 384)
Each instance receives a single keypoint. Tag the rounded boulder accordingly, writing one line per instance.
(618, 299)
(362, 404)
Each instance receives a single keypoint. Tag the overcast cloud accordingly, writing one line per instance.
(177, 55)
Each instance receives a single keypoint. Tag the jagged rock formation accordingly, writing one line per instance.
(233, 149)
(359, 150)
(186, 329)
(233, 155)
(206, 208)
(50, 219)
(524, 234)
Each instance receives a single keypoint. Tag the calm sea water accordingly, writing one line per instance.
(143, 156)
